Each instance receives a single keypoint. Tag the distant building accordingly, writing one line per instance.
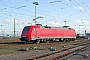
(80, 35)
(87, 35)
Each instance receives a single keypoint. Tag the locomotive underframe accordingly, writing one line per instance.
(48, 39)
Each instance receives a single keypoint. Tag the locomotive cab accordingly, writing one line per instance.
(24, 35)
(28, 33)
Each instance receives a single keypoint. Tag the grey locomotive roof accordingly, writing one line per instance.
(64, 27)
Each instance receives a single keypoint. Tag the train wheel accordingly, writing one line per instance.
(68, 39)
(47, 41)
(73, 39)
(38, 41)
(60, 40)
(64, 40)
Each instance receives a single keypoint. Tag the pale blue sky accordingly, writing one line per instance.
(76, 13)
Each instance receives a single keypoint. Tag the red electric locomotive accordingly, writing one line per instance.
(38, 33)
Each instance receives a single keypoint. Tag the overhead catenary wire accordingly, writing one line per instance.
(79, 8)
(71, 7)
(47, 18)
(83, 4)
(86, 5)
(39, 13)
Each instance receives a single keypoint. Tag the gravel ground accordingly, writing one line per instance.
(27, 54)
(23, 56)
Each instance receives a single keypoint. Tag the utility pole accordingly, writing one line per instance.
(3, 33)
(36, 3)
(14, 28)
(1, 30)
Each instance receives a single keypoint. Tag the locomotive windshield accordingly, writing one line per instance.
(26, 28)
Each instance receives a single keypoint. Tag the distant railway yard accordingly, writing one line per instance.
(14, 49)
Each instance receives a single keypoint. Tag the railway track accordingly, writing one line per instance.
(26, 45)
(18, 44)
(53, 55)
